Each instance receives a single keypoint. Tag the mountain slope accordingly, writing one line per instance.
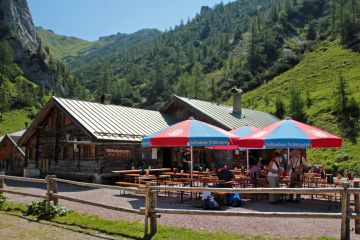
(243, 43)
(109, 45)
(316, 77)
(76, 52)
(62, 46)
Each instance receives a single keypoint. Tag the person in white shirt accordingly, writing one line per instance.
(274, 171)
(296, 167)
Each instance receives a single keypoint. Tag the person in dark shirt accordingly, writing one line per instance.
(186, 160)
(225, 174)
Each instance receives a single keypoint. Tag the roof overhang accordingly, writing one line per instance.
(175, 98)
(51, 104)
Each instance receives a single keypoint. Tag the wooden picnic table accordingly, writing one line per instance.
(132, 175)
(139, 170)
(152, 177)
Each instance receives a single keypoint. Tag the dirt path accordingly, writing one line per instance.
(285, 228)
(15, 227)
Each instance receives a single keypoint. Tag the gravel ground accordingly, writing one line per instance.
(286, 228)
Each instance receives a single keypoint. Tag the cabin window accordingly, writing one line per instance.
(31, 154)
(88, 152)
(70, 152)
(67, 152)
(48, 152)
(66, 121)
(81, 151)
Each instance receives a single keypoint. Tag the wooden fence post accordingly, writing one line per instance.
(153, 217)
(48, 192)
(345, 209)
(54, 189)
(147, 208)
(357, 207)
(1, 183)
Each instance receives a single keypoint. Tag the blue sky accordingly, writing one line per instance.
(90, 19)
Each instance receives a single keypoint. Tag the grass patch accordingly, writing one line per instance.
(134, 229)
(14, 121)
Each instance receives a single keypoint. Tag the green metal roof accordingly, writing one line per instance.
(225, 116)
(118, 123)
(112, 122)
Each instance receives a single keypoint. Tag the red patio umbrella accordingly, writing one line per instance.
(288, 134)
(190, 133)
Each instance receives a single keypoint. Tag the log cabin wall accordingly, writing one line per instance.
(48, 150)
(60, 147)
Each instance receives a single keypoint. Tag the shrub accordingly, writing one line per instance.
(38, 209)
(3, 200)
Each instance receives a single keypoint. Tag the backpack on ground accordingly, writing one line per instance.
(234, 199)
(211, 204)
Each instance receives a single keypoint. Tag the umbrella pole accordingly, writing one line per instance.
(288, 156)
(192, 163)
(247, 159)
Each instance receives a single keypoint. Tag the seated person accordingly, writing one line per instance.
(255, 171)
(225, 175)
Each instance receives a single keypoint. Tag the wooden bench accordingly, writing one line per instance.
(129, 184)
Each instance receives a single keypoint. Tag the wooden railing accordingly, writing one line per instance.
(151, 212)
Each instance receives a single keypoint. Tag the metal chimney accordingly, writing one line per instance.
(105, 99)
(236, 94)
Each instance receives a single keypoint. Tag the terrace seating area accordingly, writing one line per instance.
(242, 179)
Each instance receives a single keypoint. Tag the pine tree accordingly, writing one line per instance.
(4, 101)
(296, 105)
(213, 90)
(346, 110)
(279, 108)
(197, 76)
(6, 58)
(106, 80)
(311, 33)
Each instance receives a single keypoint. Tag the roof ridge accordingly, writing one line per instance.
(97, 103)
(219, 104)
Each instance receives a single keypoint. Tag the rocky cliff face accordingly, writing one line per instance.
(16, 25)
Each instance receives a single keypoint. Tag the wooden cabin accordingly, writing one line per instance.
(11, 155)
(86, 140)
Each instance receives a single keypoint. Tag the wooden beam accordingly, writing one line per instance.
(304, 191)
(23, 193)
(23, 179)
(94, 185)
(57, 136)
(249, 214)
(115, 208)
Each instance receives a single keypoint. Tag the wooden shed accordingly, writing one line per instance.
(11, 155)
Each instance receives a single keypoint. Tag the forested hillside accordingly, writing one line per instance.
(319, 93)
(244, 43)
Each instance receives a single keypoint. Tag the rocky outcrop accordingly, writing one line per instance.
(16, 25)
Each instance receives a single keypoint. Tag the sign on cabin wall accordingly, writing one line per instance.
(117, 153)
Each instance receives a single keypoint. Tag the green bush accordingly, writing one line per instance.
(3, 200)
(38, 209)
